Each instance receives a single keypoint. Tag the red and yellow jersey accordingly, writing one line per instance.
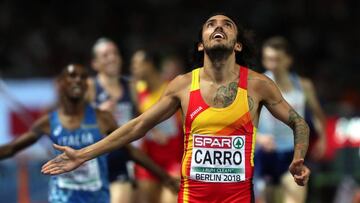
(148, 98)
(167, 154)
(219, 144)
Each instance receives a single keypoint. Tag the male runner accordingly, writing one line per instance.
(275, 138)
(221, 103)
(164, 142)
(76, 124)
(110, 91)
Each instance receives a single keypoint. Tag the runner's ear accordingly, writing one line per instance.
(200, 46)
(238, 47)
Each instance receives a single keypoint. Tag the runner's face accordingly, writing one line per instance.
(219, 31)
(107, 59)
(74, 82)
(275, 60)
(139, 66)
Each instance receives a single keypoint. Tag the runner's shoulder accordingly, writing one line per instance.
(261, 87)
(259, 80)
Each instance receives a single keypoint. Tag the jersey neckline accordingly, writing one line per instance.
(233, 103)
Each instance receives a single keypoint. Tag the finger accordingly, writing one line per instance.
(302, 181)
(47, 165)
(304, 174)
(48, 169)
(57, 172)
(50, 166)
(305, 171)
(51, 170)
(58, 147)
(299, 177)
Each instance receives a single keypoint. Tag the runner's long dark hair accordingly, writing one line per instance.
(245, 37)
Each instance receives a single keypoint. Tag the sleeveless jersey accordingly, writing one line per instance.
(124, 109)
(268, 125)
(217, 163)
(89, 182)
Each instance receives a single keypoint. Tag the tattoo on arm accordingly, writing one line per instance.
(225, 95)
(301, 133)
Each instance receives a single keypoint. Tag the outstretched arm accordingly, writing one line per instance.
(136, 128)
(25, 140)
(108, 124)
(275, 103)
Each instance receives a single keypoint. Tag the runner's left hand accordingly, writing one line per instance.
(65, 162)
(300, 172)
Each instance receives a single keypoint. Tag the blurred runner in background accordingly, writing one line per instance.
(164, 142)
(276, 139)
(110, 91)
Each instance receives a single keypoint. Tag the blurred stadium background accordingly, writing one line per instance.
(39, 37)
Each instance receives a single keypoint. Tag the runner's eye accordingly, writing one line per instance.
(209, 24)
(229, 25)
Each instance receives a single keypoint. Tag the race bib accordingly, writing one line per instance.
(86, 177)
(218, 158)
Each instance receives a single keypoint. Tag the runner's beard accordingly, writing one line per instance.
(219, 52)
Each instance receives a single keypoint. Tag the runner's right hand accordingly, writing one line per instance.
(65, 162)
(299, 171)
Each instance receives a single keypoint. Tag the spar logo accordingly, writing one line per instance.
(212, 142)
(238, 142)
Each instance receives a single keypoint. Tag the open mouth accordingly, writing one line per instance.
(76, 89)
(218, 35)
